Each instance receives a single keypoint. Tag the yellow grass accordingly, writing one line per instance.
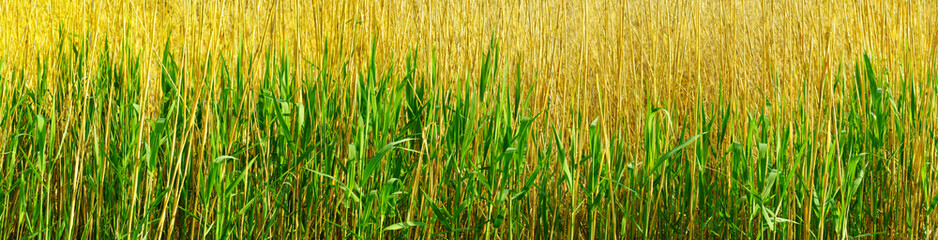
(599, 57)
(672, 48)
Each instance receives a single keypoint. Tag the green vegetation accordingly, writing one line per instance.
(93, 147)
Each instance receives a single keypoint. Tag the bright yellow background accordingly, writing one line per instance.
(677, 49)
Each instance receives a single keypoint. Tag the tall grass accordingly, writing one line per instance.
(280, 147)
(673, 49)
(503, 120)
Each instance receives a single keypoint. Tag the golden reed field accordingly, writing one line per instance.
(673, 49)
(468, 119)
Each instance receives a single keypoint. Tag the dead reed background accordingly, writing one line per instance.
(674, 48)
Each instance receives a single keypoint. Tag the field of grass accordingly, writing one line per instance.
(448, 120)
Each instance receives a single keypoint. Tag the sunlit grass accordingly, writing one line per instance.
(298, 153)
